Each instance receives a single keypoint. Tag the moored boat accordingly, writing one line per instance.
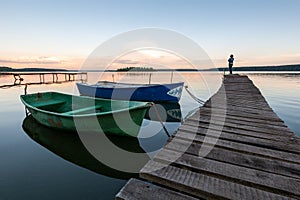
(134, 92)
(69, 112)
(71, 148)
(165, 112)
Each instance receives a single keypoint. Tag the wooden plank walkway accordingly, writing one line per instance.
(19, 80)
(251, 153)
(69, 76)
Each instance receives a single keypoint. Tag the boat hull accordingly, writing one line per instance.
(150, 93)
(71, 148)
(165, 112)
(64, 115)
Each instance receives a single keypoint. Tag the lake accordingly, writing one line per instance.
(41, 163)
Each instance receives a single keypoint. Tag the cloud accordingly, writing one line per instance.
(296, 55)
(126, 61)
(33, 60)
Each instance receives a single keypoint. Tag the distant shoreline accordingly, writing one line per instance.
(9, 69)
(280, 68)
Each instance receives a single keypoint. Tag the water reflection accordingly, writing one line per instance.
(165, 112)
(70, 147)
(56, 180)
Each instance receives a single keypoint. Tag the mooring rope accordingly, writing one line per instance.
(160, 120)
(193, 96)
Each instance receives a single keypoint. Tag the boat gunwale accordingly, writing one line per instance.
(143, 105)
(133, 85)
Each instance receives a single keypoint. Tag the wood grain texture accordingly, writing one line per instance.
(234, 147)
(202, 185)
(136, 190)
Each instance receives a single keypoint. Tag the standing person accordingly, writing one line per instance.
(230, 63)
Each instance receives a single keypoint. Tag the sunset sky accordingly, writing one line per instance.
(61, 34)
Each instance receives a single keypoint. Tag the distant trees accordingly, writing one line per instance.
(150, 69)
(254, 68)
(9, 69)
(135, 69)
(266, 68)
(5, 69)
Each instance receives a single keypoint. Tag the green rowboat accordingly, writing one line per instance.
(71, 148)
(71, 113)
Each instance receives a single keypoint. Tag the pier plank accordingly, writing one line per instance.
(238, 114)
(246, 151)
(240, 118)
(203, 186)
(286, 135)
(292, 146)
(243, 175)
(242, 125)
(136, 190)
(242, 109)
(267, 128)
(240, 147)
(249, 160)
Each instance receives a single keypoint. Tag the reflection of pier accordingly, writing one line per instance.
(68, 76)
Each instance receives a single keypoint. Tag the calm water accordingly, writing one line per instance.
(39, 163)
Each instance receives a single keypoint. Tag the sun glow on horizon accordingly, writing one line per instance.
(57, 34)
(155, 58)
(55, 62)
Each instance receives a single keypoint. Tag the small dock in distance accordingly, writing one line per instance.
(233, 148)
(53, 77)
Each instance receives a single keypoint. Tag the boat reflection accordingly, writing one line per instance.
(70, 147)
(165, 112)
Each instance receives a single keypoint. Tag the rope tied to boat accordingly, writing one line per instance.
(160, 120)
(25, 89)
(193, 96)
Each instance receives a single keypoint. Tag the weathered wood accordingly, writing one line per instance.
(247, 103)
(234, 147)
(292, 146)
(240, 118)
(242, 109)
(17, 75)
(203, 186)
(247, 176)
(234, 129)
(239, 114)
(244, 129)
(240, 147)
(244, 125)
(239, 97)
(254, 161)
(251, 111)
(136, 190)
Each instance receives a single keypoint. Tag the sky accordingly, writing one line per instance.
(62, 34)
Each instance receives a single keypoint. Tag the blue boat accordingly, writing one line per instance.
(165, 112)
(133, 92)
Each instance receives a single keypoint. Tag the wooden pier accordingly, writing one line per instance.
(69, 76)
(233, 148)
(53, 77)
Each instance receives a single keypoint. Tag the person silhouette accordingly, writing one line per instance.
(230, 63)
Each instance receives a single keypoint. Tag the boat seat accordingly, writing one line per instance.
(48, 103)
(82, 110)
